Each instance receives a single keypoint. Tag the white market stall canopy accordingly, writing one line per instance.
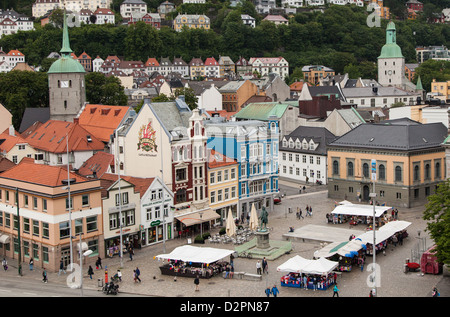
(384, 232)
(347, 249)
(359, 210)
(297, 264)
(188, 253)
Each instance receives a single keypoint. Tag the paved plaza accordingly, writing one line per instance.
(393, 281)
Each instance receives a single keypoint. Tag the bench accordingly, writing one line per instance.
(235, 274)
(254, 277)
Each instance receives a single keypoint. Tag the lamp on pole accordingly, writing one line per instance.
(87, 253)
(19, 264)
(117, 160)
(373, 195)
(69, 201)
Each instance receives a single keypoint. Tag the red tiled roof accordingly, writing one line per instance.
(141, 184)
(46, 175)
(10, 141)
(222, 113)
(151, 62)
(51, 137)
(217, 159)
(102, 120)
(98, 163)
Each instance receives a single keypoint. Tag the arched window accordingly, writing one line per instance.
(381, 172)
(416, 172)
(366, 170)
(335, 167)
(350, 169)
(197, 128)
(437, 170)
(398, 174)
(427, 171)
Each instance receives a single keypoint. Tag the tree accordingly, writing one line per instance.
(23, 89)
(438, 212)
(189, 96)
(432, 69)
(104, 90)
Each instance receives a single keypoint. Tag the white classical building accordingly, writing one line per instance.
(133, 8)
(303, 154)
(41, 7)
(266, 65)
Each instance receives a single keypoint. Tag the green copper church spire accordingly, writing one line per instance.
(65, 49)
(419, 84)
(391, 48)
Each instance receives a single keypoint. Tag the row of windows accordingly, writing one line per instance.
(397, 171)
(297, 158)
(305, 174)
(223, 195)
(41, 229)
(228, 174)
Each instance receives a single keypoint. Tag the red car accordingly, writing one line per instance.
(277, 200)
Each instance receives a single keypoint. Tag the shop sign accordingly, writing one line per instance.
(155, 223)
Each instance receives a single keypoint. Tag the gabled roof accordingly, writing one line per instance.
(141, 184)
(51, 137)
(102, 120)
(319, 135)
(41, 174)
(7, 141)
(401, 135)
(211, 61)
(98, 164)
(217, 159)
(151, 62)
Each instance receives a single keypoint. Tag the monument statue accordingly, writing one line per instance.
(264, 218)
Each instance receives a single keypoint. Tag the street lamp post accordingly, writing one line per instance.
(117, 160)
(87, 253)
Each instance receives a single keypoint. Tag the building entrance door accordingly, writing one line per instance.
(366, 192)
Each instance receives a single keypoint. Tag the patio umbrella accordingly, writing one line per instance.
(253, 224)
(231, 226)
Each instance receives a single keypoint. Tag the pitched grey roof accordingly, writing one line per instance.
(325, 90)
(319, 135)
(174, 116)
(401, 134)
(368, 92)
(31, 115)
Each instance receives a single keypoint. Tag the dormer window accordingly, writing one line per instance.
(284, 143)
(304, 145)
(311, 145)
(291, 144)
(298, 144)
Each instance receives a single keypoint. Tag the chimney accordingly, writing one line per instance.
(12, 131)
(76, 120)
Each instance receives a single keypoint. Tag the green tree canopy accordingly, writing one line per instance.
(438, 213)
(104, 90)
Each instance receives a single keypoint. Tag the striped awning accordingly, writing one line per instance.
(4, 238)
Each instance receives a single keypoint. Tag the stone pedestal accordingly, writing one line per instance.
(262, 241)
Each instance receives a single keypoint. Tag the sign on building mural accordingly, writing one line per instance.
(147, 138)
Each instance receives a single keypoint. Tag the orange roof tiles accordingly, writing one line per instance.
(151, 62)
(51, 137)
(98, 163)
(298, 85)
(46, 175)
(10, 141)
(141, 184)
(102, 120)
(217, 159)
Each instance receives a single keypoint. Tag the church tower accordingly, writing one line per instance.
(66, 83)
(391, 63)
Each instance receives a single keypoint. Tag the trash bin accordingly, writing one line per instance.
(100, 282)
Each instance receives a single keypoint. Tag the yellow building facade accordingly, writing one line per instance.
(404, 175)
(191, 21)
(442, 89)
(223, 182)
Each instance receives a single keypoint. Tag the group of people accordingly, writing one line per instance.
(274, 291)
(299, 213)
(262, 267)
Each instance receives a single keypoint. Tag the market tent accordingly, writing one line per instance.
(396, 226)
(384, 232)
(297, 264)
(347, 249)
(320, 266)
(345, 202)
(294, 265)
(359, 210)
(188, 253)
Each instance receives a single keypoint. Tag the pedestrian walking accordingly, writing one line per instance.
(275, 291)
(61, 267)
(44, 276)
(435, 292)
(31, 264)
(98, 263)
(134, 276)
(227, 271)
(90, 272)
(305, 282)
(265, 268)
(130, 251)
(138, 273)
(300, 214)
(258, 267)
(119, 275)
(335, 291)
(308, 211)
(197, 283)
(267, 291)
(5, 264)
